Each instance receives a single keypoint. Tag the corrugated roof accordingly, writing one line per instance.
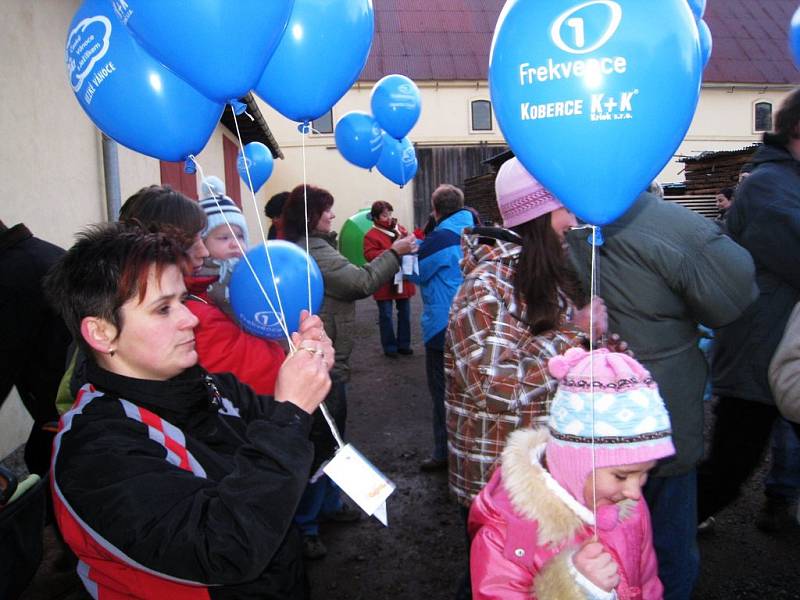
(432, 40)
(447, 40)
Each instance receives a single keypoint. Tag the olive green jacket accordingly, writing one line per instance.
(662, 270)
(344, 284)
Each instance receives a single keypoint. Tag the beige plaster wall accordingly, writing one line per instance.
(724, 120)
(445, 119)
(50, 151)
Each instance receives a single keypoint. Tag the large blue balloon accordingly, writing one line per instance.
(256, 158)
(322, 52)
(219, 46)
(706, 42)
(129, 95)
(398, 160)
(290, 275)
(592, 97)
(359, 139)
(396, 104)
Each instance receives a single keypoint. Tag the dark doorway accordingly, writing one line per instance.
(447, 164)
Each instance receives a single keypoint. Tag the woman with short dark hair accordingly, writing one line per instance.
(169, 481)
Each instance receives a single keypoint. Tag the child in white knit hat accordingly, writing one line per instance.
(225, 238)
(563, 517)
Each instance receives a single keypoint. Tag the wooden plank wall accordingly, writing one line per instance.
(704, 205)
(707, 174)
(447, 164)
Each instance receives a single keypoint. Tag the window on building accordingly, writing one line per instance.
(763, 116)
(481, 115)
(324, 124)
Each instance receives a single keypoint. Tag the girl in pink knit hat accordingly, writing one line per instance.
(563, 517)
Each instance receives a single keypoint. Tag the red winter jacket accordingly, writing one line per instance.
(376, 242)
(224, 347)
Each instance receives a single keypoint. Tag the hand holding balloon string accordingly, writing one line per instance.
(597, 565)
(405, 245)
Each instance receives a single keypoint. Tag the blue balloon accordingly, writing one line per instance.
(398, 160)
(258, 159)
(220, 47)
(322, 52)
(359, 139)
(698, 8)
(706, 42)
(593, 98)
(291, 274)
(130, 96)
(794, 37)
(396, 104)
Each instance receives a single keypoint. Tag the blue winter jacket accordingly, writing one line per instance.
(440, 272)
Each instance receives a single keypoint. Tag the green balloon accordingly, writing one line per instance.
(351, 238)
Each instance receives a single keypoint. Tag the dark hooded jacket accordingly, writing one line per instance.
(765, 219)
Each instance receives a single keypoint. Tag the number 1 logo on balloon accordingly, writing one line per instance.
(592, 98)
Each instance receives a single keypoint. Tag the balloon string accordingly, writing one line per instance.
(305, 209)
(593, 292)
(281, 321)
(281, 314)
(323, 407)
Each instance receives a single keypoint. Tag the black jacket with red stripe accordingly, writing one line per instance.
(182, 489)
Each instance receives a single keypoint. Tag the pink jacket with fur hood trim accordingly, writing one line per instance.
(525, 527)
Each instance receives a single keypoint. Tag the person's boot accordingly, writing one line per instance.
(777, 514)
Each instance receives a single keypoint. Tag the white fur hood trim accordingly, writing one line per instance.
(535, 494)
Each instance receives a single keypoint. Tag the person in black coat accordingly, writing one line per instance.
(764, 219)
(34, 338)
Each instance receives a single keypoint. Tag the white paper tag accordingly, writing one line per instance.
(410, 265)
(361, 481)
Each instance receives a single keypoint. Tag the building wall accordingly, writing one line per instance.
(724, 120)
(445, 120)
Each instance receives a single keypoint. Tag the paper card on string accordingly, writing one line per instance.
(410, 265)
(361, 481)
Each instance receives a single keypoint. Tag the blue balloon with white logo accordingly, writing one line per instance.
(323, 50)
(219, 46)
(398, 160)
(257, 160)
(288, 279)
(359, 139)
(594, 97)
(396, 104)
(706, 42)
(128, 94)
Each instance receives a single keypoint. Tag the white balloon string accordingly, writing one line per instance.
(593, 291)
(323, 407)
(245, 258)
(305, 210)
(281, 315)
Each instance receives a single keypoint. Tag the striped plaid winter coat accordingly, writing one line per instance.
(495, 367)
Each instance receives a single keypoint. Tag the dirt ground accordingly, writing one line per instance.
(420, 555)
